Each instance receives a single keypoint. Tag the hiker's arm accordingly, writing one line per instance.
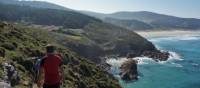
(41, 77)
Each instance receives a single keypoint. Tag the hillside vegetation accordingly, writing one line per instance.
(19, 43)
(36, 4)
(129, 24)
(102, 39)
(41, 16)
(140, 21)
(87, 36)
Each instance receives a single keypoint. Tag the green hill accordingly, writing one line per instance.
(102, 39)
(85, 35)
(41, 16)
(36, 4)
(20, 43)
(129, 24)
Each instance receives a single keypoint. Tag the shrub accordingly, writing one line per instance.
(2, 52)
(8, 46)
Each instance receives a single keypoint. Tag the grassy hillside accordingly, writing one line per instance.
(102, 39)
(20, 43)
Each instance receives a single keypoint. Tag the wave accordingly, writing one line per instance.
(173, 56)
(176, 65)
(195, 64)
(117, 62)
(175, 38)
(171, 60)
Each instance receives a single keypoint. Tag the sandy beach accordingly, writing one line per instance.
(149, 34)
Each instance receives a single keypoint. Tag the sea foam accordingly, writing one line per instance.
(175, 38)
(117, 62)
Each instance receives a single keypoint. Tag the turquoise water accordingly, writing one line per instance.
(181, 71)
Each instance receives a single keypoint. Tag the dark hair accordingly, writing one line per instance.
(50, 48)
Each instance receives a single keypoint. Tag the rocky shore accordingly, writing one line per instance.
(129, 71)
(157, 55)
(10, 77)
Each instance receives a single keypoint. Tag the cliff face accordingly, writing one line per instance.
(19, 43)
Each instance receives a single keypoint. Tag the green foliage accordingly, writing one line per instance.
(8, 46)
(1, 67)
(130, 24)
(79, 71)
(99, 39)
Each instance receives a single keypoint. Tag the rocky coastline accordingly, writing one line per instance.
(129, 70)
(157, 55)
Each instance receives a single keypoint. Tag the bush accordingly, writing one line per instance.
(8, 46)
(2, 60)
(2, 52)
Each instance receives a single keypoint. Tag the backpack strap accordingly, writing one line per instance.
(42, 61)
(38, 64)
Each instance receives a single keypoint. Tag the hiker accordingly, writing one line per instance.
(51, 71)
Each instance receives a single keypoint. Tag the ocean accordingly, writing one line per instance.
(182, 70)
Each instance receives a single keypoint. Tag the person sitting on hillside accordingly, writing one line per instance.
(51, 72)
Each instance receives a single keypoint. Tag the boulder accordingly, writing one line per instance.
(4, 85)
(12, 75)
(128, 70)
(2, 24)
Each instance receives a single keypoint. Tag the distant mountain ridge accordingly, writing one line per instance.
(141, 20)
(36, 4)
(154, 20)
(43, 16)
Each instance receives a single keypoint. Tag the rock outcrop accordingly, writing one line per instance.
(128, 70)
(4, 85)
(11, 74)
(157, 55)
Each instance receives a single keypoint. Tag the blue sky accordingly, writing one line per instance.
(180, 8)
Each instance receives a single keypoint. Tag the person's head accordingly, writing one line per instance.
(50, 48)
